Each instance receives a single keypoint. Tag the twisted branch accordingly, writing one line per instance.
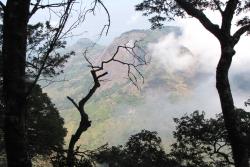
(132, 67)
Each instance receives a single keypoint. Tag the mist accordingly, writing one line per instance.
(184, 67)
(158, 110)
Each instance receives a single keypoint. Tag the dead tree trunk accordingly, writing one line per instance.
(83, 126)
(15, 21)
(97, 74)
(84, 123)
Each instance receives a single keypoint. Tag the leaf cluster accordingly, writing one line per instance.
(45, 125)
(39, 45)
(162, 10)
(204, 142)
(142, 150)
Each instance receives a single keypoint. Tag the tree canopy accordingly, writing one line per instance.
(45, 125)
(204, 141)
(143, 149)
(163, 10)
(15, 78)
(169, 9)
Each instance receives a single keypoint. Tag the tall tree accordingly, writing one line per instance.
(38, 36)
(16, 86)
(169, 9)
(16, 16)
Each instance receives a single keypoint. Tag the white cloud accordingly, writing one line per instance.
(201, 43)
(133, 19)
(167, 50)
(206, 50)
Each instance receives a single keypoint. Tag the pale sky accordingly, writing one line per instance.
(123, 18)
(122, 12)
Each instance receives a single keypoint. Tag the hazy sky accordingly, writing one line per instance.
(200, 42)
(123, 18)
(122, 12)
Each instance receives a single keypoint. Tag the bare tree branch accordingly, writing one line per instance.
(52, 5)
(51, 81)
(82, 17)
(2, 5)
(131, 66)
(106, 26)
(35, 8)
(96, 76)
(58, 32)
(73, 102)
(38, 6)
(53, 41)
(217, 151)
(84, 123)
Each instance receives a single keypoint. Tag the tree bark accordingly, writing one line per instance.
(14, 55)
(239, 148)
(84, 123)
(223, 34)
(83, 126)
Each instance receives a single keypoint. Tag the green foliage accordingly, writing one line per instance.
(204, 142)
(162, 10)
(40, 48)
(142, 150)
(45, 126)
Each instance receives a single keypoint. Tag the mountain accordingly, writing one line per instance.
(173, 85)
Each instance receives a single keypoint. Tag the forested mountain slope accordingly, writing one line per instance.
(174, 85)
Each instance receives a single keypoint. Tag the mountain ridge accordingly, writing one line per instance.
(118, 109)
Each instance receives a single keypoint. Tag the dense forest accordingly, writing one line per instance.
(147, 98)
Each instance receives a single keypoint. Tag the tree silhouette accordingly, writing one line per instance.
(143, 149)
(98, 72)
(45, 133)
(169, 9)
(45, 126)
(204, 142)
(15, 80)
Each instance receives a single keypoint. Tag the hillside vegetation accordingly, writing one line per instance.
(119, 109)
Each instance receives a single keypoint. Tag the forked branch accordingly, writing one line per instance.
(84, 123)
(133, 66)
(98, 73)
(52, 42)
(59, 32)
(2, 5)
